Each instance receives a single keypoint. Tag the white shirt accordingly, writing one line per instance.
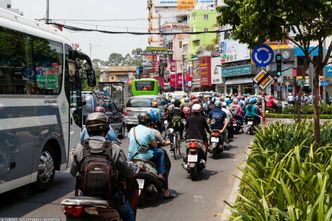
(228, 113)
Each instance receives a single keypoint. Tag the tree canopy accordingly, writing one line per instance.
(303, 22)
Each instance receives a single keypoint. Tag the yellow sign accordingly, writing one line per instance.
(186, 4)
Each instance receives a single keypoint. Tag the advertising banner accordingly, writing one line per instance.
(205, 70)
(160, 81)
(176, 80)
(156, 66)
(216, 71)
(173, 66)
(186, 4)
(232, 50)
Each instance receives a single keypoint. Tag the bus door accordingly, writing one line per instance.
(117, 91)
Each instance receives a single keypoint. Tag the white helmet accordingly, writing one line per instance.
(196, 108)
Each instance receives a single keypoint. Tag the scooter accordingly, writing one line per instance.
(251, 123)
(194, 161)
(216, 143)
(80, 208)
(150, 185)
(237, 125)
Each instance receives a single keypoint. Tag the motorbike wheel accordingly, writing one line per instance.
(251, 130)
(153, 182)
(214, 153)
(193, 173)
(175, 143)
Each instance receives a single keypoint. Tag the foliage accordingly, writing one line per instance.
(299, 21)
(308, 116)
(286, 177)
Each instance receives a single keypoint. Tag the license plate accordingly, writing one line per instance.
(165, 122)
(214, 139)
(140, 183)
(235, 125)
(250, 123)
(192, 158)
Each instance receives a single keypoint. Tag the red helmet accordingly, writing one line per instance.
(193, 97)
(196, 101)
(100, 109)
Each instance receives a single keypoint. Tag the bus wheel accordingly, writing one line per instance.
(46, 170)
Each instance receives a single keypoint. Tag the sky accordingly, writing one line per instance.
(102, 45)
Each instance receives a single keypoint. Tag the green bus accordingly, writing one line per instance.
(144, 86)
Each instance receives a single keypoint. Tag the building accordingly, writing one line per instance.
(7, 4)
(118, 73)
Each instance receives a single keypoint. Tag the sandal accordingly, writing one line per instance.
(168, 195)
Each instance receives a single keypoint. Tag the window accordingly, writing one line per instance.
(196, 43)
(206, 29)
(9, 6)
(139, 102)
(206, 17)
(144, 85)
(28, 64)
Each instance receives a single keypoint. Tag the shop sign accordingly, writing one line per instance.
(328, 71)
(236, 71)
(205, 70)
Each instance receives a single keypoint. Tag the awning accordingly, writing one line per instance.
(239, 81)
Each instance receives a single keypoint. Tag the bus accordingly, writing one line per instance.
(144, 86)
(40, 101)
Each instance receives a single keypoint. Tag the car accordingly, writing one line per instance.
(115, 115)
(140, 105)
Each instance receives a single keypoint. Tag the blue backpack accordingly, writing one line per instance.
(153, 114)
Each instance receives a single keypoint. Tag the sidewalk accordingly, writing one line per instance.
(226, 213)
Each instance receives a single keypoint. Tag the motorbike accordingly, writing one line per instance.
(251, 123)
(194, 161)
(150, 185)
(80, 208)
(216, 143)
(237, 125)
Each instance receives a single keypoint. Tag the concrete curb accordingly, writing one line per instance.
(226, 213)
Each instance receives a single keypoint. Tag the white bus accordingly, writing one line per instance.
(40, 101)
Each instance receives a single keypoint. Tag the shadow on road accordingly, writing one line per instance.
(21, 201)
(161, 200)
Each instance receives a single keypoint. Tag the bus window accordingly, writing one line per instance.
(145, 86)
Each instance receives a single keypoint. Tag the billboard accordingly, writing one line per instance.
(216, 71)
(186, 4)
(176, 80)
(205, 70)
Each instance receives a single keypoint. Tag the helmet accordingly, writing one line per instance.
(253, 100)
(100, 109)
(177, 103)
(224, 104)
(186, 100)
(235, 101)
(96, 121)
(217, 103)
(193, 97)
(144, 119)
(195, 101)
(196, 108)
(154, 103)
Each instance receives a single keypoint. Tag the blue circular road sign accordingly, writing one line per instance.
(262, 55)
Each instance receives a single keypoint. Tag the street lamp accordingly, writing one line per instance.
(92, 46)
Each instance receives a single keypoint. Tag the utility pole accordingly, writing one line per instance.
(47, 11)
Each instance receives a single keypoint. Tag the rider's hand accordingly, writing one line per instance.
(167, 142)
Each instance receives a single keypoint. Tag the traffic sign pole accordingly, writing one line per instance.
(263, 107)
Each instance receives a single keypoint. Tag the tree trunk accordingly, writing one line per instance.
(316, 103)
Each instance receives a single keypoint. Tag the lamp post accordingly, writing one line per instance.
(92, 46)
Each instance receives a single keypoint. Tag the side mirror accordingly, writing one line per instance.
(91, 77)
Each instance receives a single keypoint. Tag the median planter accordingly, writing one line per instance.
(286, 178)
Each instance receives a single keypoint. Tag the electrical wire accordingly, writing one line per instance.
(73, 28)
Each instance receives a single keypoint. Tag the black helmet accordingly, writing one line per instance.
(96, 121)
(177, 103)
(144, 119)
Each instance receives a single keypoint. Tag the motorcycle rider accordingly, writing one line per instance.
(176, 116)
(97, 126)
(252, 111)
(111, 136)
(161, 142)
(196, 127)
(155, 111)
(141, 135)
(218, 119)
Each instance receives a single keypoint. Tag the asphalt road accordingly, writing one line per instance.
(194, 201)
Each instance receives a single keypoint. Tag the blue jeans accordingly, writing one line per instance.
(159, 155)
(124, 209)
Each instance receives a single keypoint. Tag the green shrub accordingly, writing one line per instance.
(286, 177)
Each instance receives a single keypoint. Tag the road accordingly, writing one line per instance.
(195, 200)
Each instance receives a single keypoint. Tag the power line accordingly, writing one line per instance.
(73, 28)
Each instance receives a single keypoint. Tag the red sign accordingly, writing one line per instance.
(205, 70)
(173, 66)
(156, 66)
(176, 80)
(160, 81)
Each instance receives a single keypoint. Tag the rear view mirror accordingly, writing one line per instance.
(91, 77)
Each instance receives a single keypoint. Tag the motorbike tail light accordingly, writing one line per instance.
(73, 210)
(215, 134)
(192, 145)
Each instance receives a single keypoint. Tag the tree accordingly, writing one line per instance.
(254, 22)
(115, 59)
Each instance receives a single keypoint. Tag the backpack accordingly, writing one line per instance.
(97, 175)
(176, 121)
(153, 115)
(234, 110)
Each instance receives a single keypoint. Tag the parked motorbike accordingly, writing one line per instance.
(216, 143)
(194, 161)
(150, 185)
(80, 208)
